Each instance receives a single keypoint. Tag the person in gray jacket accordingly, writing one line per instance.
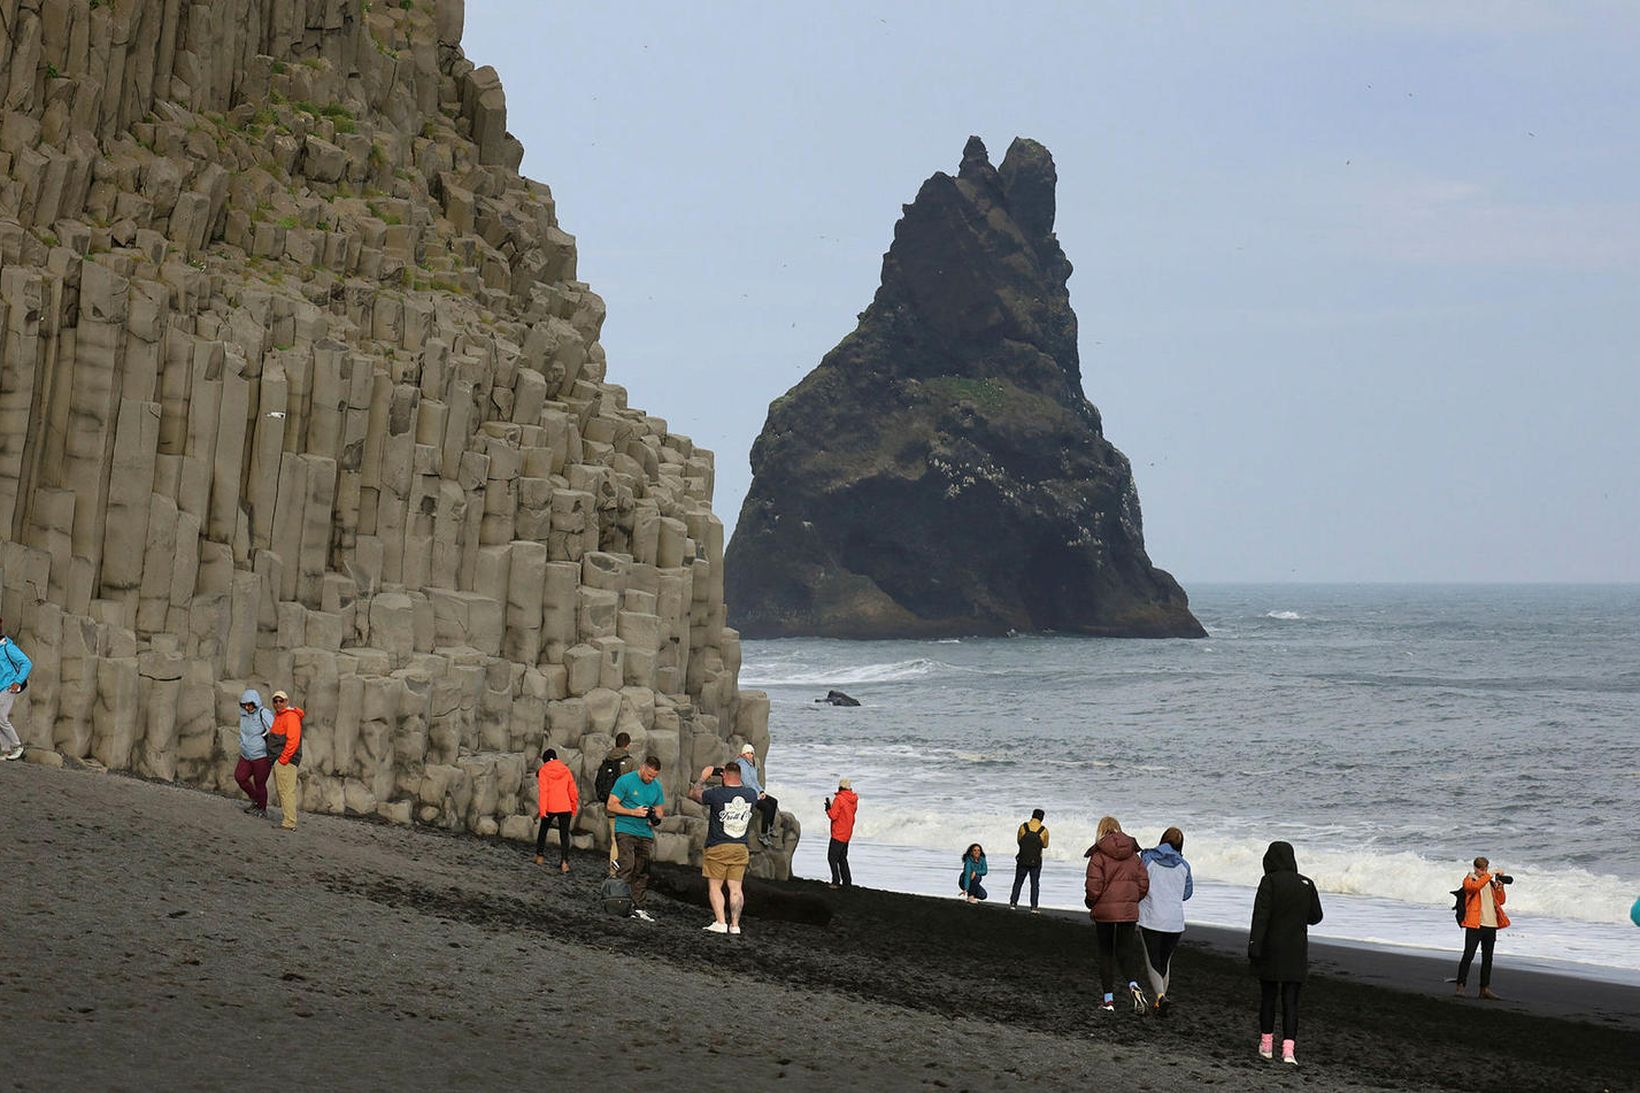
(1161, 912)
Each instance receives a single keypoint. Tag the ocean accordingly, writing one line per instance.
(1390, 733)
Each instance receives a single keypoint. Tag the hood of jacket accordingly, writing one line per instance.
(251, 695)
(1164, 855)
(1118, 845)
(845, 795)
(1279, 858)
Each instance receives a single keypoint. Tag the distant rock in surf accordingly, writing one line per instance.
(941, 473)
(838, 698)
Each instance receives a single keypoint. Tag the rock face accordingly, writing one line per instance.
(940, 473)
(298, 389)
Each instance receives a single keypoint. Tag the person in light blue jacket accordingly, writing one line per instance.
(1161, 912)
(14, 669)
(973, 868)
(255, 721)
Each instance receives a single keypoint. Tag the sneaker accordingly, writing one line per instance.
(15, 753)
(1034, 911)
(711, 927)
(1460, 990)
(1287, 1055)
(1013, 906)
(539, 860)
(734, 930)
(971, 899)
(563, 867)
(260, 814)
(1107, 1007)
(766, 839)
(1140, 1002)
(1266, 1049)
(641, 915)
(1161, 1005)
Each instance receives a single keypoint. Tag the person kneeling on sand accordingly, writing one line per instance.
(1161, 912)
(973, 868)
(729, 810)
(636, 803)
(1278, 946)
(255, 722)
(285, 744)
(1033, 840)
(1483, 917)
(1116, 882)
(840, 810)
(557, 801)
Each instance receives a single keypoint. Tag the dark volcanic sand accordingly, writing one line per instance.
(156, 937)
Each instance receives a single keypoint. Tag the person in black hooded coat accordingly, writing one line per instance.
(1279, 944)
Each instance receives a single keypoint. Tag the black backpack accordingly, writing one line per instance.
(1459, 905)
(615, 897)
(608, 771)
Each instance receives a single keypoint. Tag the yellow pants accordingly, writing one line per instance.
(284, 780)
(614, 851)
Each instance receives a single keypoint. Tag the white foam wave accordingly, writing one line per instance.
(897, 671)
(1285, 616)
(1237, 859)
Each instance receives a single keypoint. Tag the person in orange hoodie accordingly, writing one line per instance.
(1483, 917)
(557, 800)
(286, 735)
(840, 811)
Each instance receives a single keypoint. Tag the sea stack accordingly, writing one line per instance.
(941, 473)
(299, 389)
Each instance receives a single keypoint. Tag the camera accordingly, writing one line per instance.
(1503, 878)
(717, 772)
(649, 814)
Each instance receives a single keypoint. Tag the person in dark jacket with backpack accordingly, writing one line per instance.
(1278, 945)
(1116, 882)
(973, 868)
(1033, 840)
(619, 761)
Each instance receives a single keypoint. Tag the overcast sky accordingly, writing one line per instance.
(1358, 284)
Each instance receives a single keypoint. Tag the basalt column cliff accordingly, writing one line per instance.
(299, 390)
(940, 473)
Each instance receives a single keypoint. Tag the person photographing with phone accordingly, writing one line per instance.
(1483, 897)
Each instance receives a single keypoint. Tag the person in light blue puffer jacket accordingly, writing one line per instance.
(1161, 912)
(14, 669)
(255, 720)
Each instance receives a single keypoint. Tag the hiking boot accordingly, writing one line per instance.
(1266, 1049)
(539, 860)
(716, 927)
(1140, 1002)
(1287, 1055)
(563, 867)
(1460, 990)
(250, 809)
(641, 915)
(1486, 993)
(260, 814)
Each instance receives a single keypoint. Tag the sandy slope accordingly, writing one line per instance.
(156, 935)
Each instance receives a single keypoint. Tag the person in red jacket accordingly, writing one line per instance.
(1117, 880)
(840, 811)
(557, 800)
(287, 727)
(1483, 917)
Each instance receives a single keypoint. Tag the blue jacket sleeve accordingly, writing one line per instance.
(1189, 881)
(19, 660)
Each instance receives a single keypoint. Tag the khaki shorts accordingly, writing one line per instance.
(725, 861)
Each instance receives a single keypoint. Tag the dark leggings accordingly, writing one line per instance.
(769, 808)
(559, 820)
(1289, 1007)
(837, 858)
(1021, 871)
(1485, 937)
(1119, 944)
(1159, 946)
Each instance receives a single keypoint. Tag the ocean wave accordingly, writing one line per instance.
(892, 672)
(1285, 616)
(1237, 859)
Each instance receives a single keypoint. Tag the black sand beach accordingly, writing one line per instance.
(156, 937)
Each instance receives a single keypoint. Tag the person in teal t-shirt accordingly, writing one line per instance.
(635, 800)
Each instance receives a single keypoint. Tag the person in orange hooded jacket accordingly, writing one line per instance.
(840, 811)
(1483, 917)
(557, 800)
(287, 724)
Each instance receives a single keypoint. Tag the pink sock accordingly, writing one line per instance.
(1266, 1040)
(1286, 1048)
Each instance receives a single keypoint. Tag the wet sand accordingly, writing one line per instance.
(155, 936)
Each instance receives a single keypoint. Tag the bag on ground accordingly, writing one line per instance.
(615, 896)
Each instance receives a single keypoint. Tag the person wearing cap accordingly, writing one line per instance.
(14, 669)
(840, 810)
(286, 735)
(767, 806)
(1032, 838)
